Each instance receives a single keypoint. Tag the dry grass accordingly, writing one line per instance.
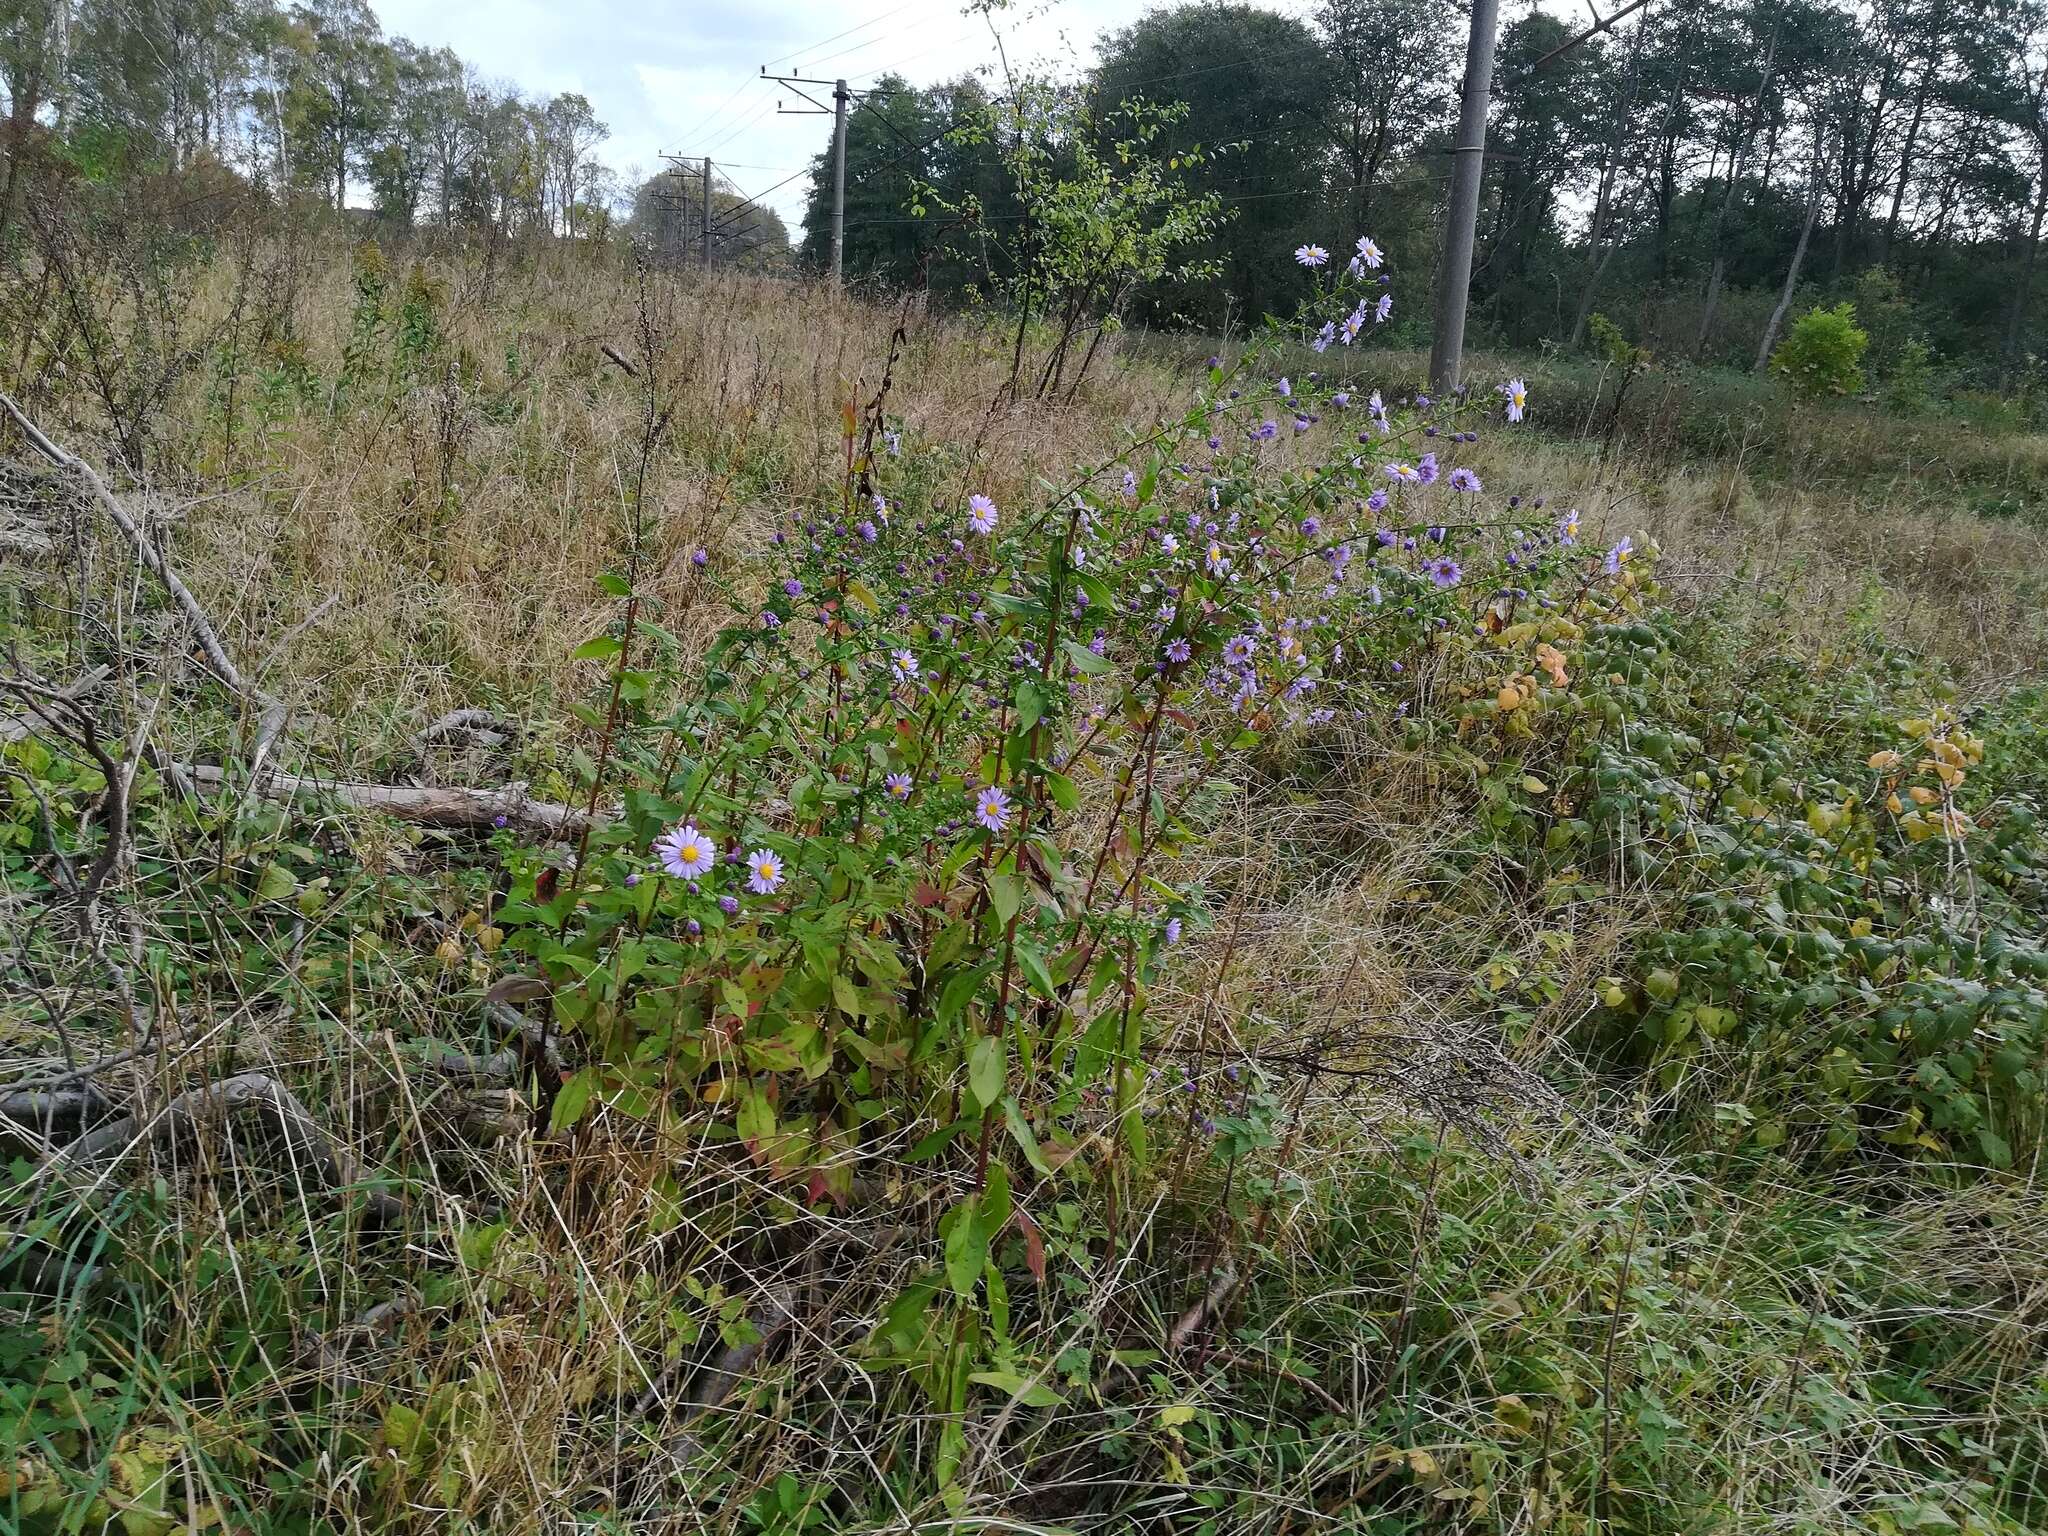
(385, 564)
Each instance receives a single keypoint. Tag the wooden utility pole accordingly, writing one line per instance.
(704, 237)
(839, 98)
(1461, 224)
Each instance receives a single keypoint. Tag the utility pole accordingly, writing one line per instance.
(704, 237)
(1461, 223)
(839, 97)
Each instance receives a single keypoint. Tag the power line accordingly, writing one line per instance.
(860, 27)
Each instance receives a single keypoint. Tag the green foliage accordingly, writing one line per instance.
(1852, 953)
(894, 864)
(1823, 352)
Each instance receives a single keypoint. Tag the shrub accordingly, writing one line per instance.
(1823, 354)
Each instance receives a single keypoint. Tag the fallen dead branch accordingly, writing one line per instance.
(770, 1317)
(270, 711)
(18, 727)
(454, 809)
(1222, 1286)
(212, 1104)
(478, 725)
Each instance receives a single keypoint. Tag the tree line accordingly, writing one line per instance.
(310, 99)
(1688, 174)
(1693, 175)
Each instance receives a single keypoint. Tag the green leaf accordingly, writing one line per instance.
(1030, 705)
(573, 1102)
(614, 583)
(598, 648)
(848, 997)
(756, 1118)
(987, 1064)
(966, 1246)
(1062, 790)
(1090, 664)
(1035, 973)
(1022, 1389)
(958, 989)
(1006, 894)
(275, 883)
(1026, 1139)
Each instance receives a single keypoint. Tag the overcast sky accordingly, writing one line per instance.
(670, 78)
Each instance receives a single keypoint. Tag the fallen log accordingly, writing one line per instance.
(453, 809)
(211, 1104)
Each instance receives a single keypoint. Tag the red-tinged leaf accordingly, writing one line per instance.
(1034, 1245)
(815, 1190)
(926, 894)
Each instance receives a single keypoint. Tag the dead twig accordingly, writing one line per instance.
(18, 727)
(1222, 1286)
(270, 711)
(480, 725)
(101, 1150)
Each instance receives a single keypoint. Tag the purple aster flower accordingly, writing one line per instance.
(1177, 651)
(981, 514)
(1383, 309)
(1462, 479)
(764, 872)
(1517, 394)
(700, 557)
(1173, 930)
(1266, 431)
(894, 442)
(729, 905)
(1369, 253)
(1239, 649)
(1618, 556)
(1426, 469)
(1311, 255)
(867, 531)
(1217, 563)
(904, 665)
(1323, 338)
(1285, 388)
(1407, 474)
(1443, 571)
(501, 821)
(1377, 408)
(1310, 527)
(898, 786)
(770, 621)
(992, 809)
(793, 587)
(685, 852)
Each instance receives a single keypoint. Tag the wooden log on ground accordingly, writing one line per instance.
(452, 809)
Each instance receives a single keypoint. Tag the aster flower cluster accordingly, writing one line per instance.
(895, 739)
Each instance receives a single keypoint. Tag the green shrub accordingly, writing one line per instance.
(1823, 355)
(1907, 385)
